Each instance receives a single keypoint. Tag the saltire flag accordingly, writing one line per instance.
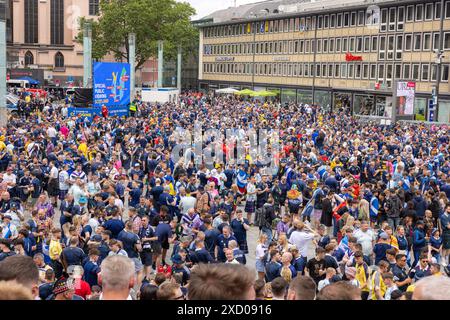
(241, 180)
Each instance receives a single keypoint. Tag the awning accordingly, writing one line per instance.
(30, 80)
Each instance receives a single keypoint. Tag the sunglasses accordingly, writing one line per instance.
(182, 297)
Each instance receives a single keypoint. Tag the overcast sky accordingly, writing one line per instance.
(205, 7)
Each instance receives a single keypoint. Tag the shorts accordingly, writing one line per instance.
(146, 258)
(137, 264)
(260, 266)
(165, 245)
(157, 248)
(317, 214)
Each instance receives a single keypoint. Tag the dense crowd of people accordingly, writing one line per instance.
(101, 209)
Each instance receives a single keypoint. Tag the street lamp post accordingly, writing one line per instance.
(87, 55)
(160, 63)
(3, 112)
(132, 62)
(439, 56)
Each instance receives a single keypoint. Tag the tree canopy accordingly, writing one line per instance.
(150, 20)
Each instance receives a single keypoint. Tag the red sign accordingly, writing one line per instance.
(377, 86)
(350, 57)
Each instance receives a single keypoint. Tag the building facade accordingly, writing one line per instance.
(41, 36)
(347, 52)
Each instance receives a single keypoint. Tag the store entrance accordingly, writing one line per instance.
(342, 102)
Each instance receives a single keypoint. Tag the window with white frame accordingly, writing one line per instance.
(326, 22)
(384, 20)
(337, 69)
(447, 41)
(415, 72)
(381, 70)
(324, 70)
(319, 45)
(447, 10)
(331, 46)
(330, 70)
(352, 44)
(427, 41)
(338, 44)
(399, 47)
(390, 47)
(325, 46)
(365, 71)
(366, 44)
(332, 21)
(358, 68)
(339, 20)
(359, 44)
(406, 71)
(435, 41)
(429, 12)
(353, 18)
(401, 19)
(373, 71)
(445, 72)
(392, 18)
(408, 42)
(320, 22)
(306, 70)
(433, 72)
(345, 45)
(361, 18)
(346, 19)
(419, 12)
(398, 71)
(351, 71)
(425, 72)
(417, 41)
(382, 48)
(374, 44)
(409, 13)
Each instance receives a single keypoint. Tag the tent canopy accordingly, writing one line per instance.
(30, 80)
(227, 90)
(264, 93)
(245, 92)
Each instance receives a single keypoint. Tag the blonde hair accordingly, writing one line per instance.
(286, 273)
(262, 238)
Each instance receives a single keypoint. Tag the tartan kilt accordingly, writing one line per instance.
(250, 206)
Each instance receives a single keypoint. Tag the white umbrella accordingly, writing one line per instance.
(227, 90)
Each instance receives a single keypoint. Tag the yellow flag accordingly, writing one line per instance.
(267, 26)
(249, 29)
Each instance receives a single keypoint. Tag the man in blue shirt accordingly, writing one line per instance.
(273, 268)
(222, 243)
(91, 268)
(115, 224)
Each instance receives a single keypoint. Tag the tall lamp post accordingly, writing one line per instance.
(132, 62)
(439, 56)
(3, 111)
(87, 55)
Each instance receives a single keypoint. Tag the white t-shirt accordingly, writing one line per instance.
(365, 239)
(54, 173)
(51, 132)
(63, 177)
(187, 203)
(301, 239)
(251, 188)
(260, 251)
(9, 178)
(322, 284)
(93, 223)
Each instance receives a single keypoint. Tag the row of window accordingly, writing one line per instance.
(31, 20)
(58, 60)
(388, 19)
(420, 72)
(390, 43)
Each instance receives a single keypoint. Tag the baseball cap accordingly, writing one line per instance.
(384, 236)
(96, 238)
(177, 259)
(82, 200)
(7, 216)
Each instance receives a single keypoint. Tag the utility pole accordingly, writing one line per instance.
(179, 68)
(439, 56)
(3, 111)
(254, 50)
(160, 63)
(314, 62)
(132, 62)
(87, 55)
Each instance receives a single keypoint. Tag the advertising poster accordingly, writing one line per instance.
(111, 84)
(406, 91)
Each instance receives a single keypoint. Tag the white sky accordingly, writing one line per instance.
(205, 7)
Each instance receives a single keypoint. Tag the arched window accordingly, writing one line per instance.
(59, 60)
(29, 58)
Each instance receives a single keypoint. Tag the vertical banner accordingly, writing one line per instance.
(406, 91)
(111, 84)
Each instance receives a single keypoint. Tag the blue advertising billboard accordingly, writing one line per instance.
(111, 84)
(90, 113)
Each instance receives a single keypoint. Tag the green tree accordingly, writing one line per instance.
(150, 20)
